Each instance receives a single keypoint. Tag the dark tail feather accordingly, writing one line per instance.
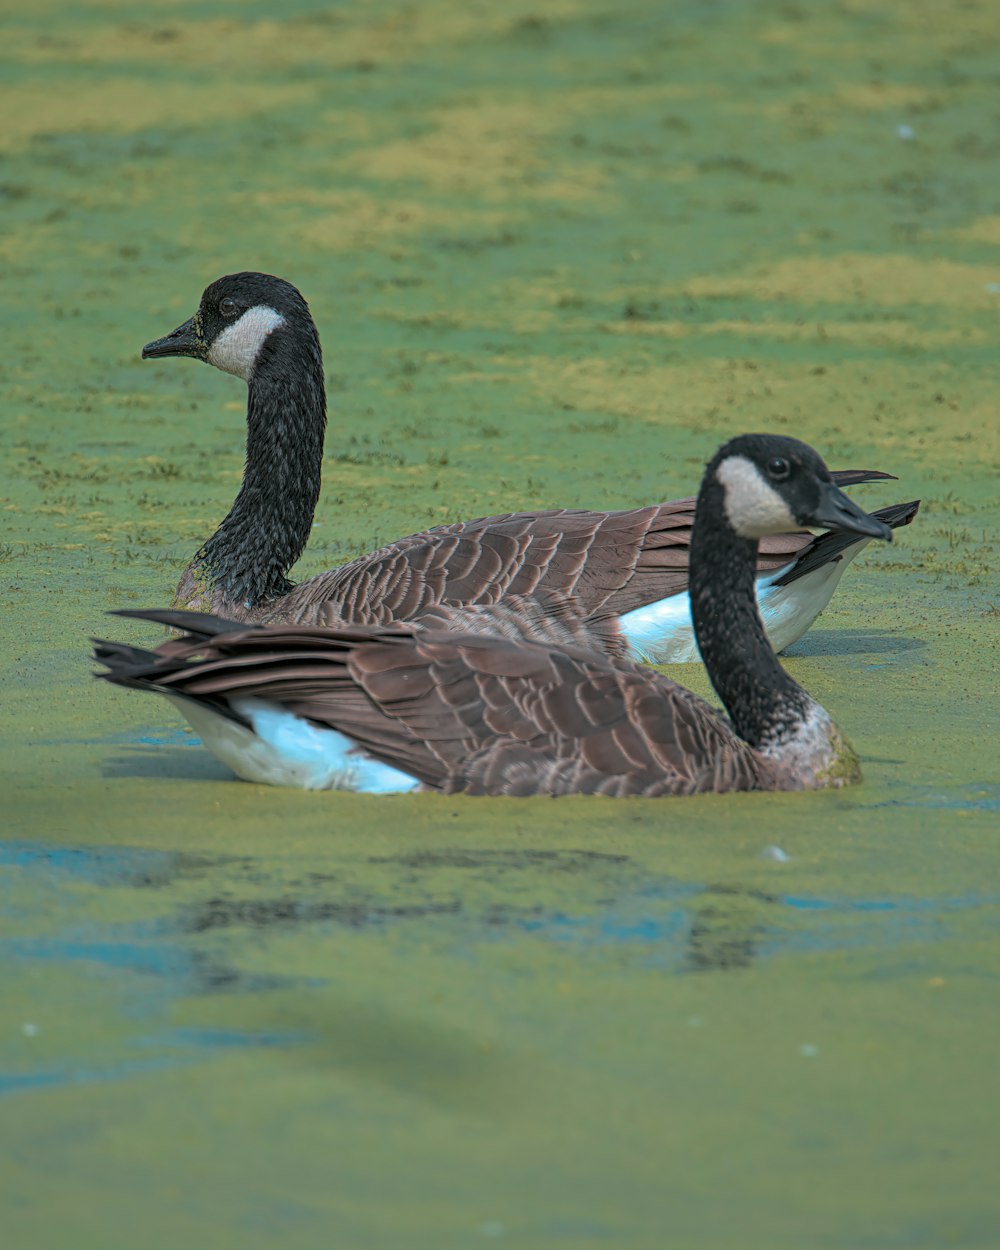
(138, 669)
(120, 658)
(197, 624)
(854, 477)
(127, 666)
(828, 547)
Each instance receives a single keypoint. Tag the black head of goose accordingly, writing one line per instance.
(631, 563)
(388, 708)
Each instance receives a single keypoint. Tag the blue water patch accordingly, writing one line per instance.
(607, 927)
(223, 1039)
(184, 1045)
(17, 1082)
(889, 904)
(158, 959)
(179, 968)
(101, 865)
(171, 736)
(718, 927)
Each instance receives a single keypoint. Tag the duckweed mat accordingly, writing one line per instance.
(557, 252)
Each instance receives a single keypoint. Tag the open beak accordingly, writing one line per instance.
(184, 341)
(837, 512)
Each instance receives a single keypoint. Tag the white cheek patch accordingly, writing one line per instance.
(236, 349)
(753, 507)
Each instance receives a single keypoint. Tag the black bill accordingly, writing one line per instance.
(836, 511)
(184, 341)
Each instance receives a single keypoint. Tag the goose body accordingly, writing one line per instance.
(615, 563)
(523, 698)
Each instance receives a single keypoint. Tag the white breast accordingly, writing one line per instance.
(812, 754)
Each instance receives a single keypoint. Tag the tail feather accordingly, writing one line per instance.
(826, 548)
(121, 660)
(197, 624)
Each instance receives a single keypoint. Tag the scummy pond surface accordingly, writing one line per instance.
(556, 253)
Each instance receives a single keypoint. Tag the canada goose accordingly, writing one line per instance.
(631, 563)
(386, 708)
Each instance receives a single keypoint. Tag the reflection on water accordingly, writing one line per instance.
(726, 928)
(459, 857)
(213, 914)
(222, 913)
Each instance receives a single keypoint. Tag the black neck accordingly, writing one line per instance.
(760, 697)
(249, 555)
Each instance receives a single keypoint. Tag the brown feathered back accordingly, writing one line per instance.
(610, 562)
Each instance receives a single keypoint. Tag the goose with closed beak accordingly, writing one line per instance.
(631, 563)
(393, 708)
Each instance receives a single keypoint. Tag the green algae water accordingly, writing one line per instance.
(557, 253)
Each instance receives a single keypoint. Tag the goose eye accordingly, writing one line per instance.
(778, 468)
(227, 307)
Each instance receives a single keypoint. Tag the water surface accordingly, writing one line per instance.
(556, 254)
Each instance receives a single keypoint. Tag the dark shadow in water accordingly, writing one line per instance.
(164, 761)
(728, 924)
(460, 857)
(447, 1064)
(209, 974)
(691, 928)
(843, 642)
(255, 913)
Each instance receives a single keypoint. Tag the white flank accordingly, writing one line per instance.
(754, 507)
(236, 348)
(284, 750)
(788, 611)
(663, 633)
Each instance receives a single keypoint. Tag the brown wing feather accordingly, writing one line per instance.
(610, 562)
(507, 718)
(590, 555)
